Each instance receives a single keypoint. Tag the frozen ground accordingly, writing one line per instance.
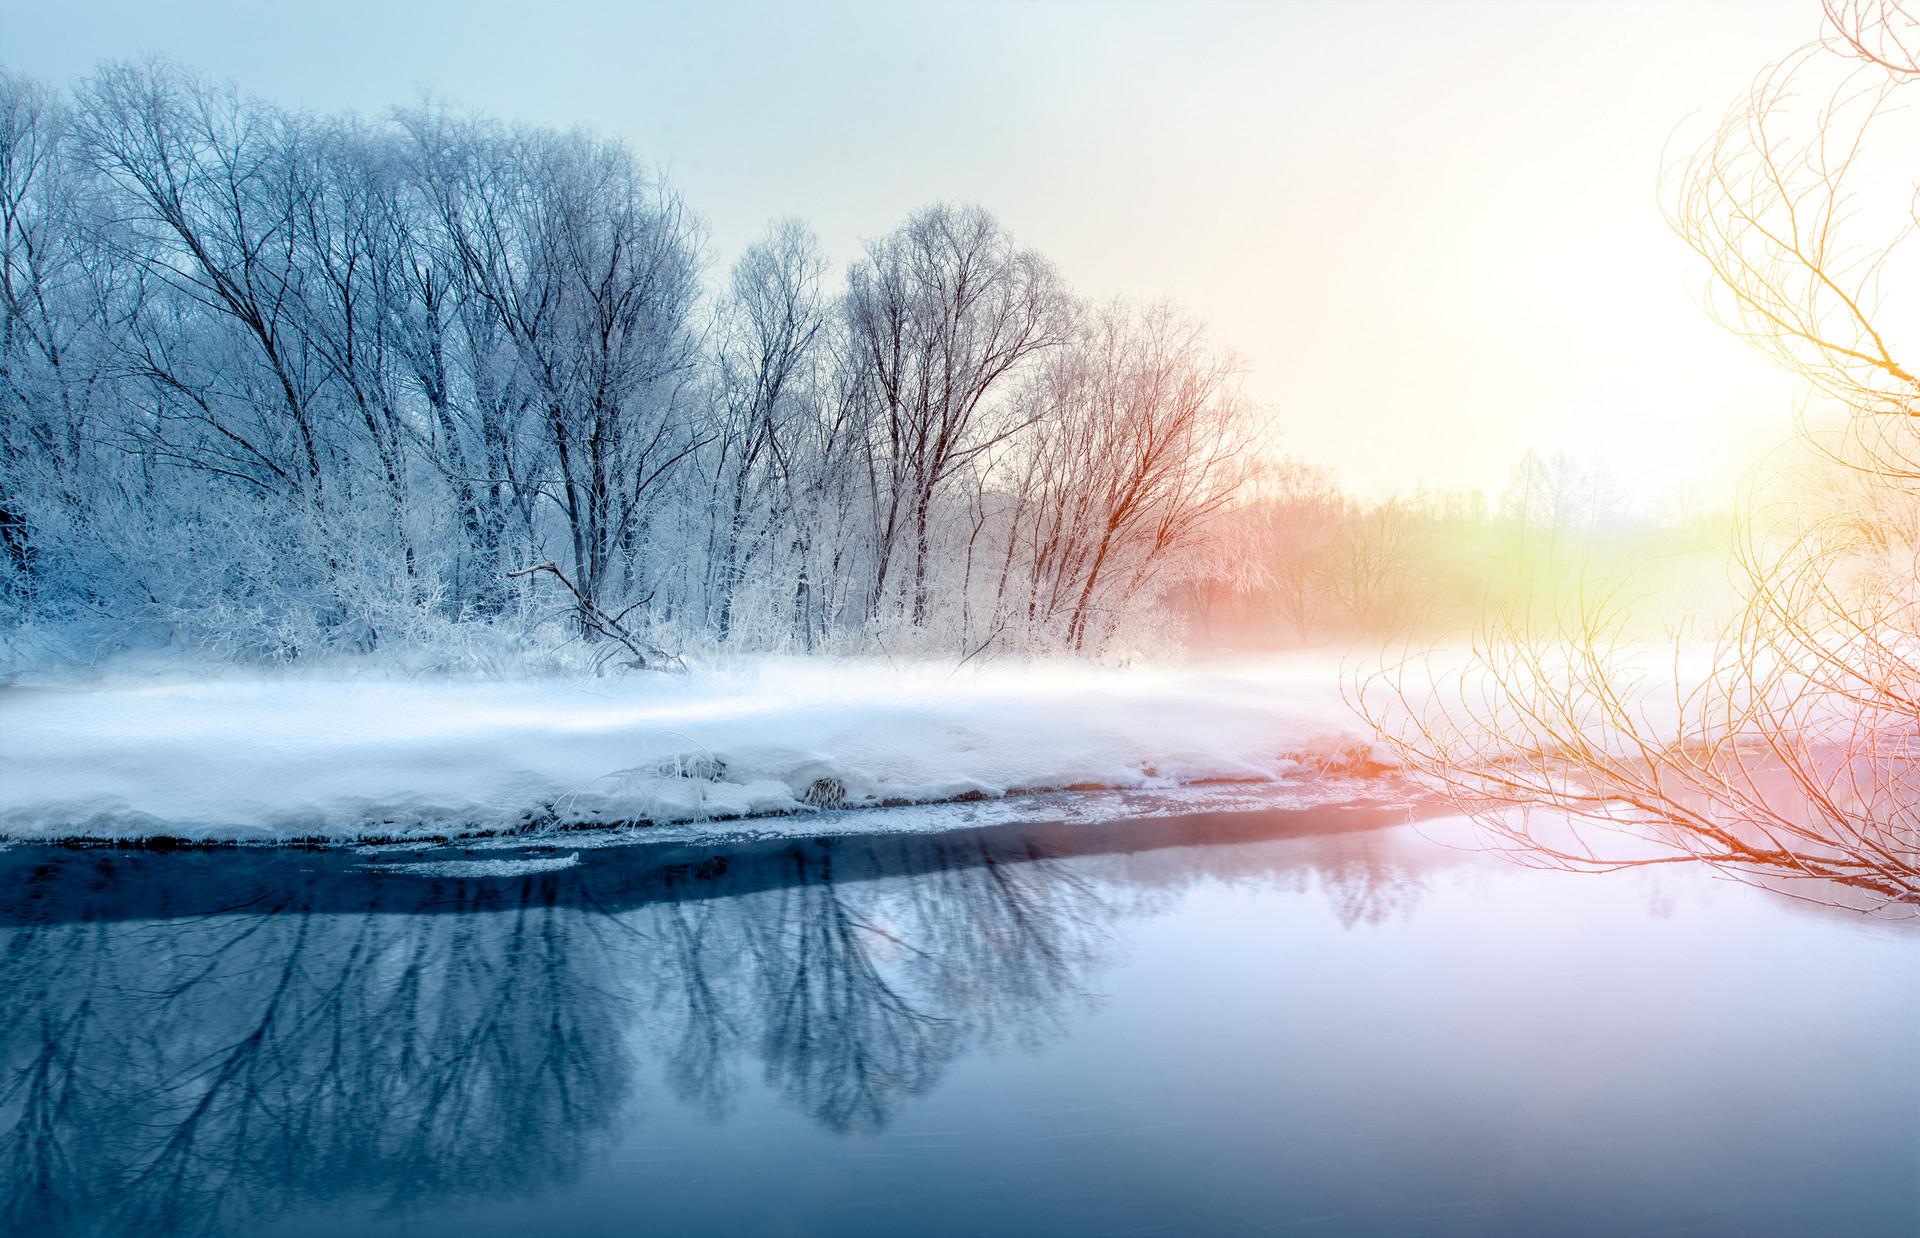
(357, 758)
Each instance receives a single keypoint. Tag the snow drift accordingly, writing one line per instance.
(350, 759)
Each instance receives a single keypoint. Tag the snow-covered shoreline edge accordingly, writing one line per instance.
(308, 761)
(1084, 806)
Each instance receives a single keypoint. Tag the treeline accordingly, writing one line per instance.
(1298, 561)
(275, 384)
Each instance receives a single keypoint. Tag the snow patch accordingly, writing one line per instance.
(464, 869)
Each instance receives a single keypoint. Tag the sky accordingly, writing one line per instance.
(1431, 230)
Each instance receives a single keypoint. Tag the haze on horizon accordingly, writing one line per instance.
(1431, 231)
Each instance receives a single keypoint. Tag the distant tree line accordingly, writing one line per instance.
(1299, 561)
(274, 384)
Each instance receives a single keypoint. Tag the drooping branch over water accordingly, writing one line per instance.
(1792, 755)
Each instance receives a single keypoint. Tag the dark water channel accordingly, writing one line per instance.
(1277, 1023)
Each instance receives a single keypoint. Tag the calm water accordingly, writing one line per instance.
(1252, 1024)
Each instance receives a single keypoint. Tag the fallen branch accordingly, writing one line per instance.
(646, 657)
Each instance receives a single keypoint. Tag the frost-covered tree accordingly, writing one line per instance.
(1139, 441)
(588, 266)
(940, 312)
(276, 384)
(769, 462)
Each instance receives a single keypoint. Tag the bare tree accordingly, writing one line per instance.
(1885, 33)
(1297, 511)
(1369, 573)
(213, 193)
(769, 350)
(589, 267)
(939, 313)
(1140, 440)
(1792, 757)
(51, 310)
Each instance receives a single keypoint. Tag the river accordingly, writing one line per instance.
(1327, 1021)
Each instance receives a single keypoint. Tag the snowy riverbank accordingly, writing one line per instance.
(344, 758)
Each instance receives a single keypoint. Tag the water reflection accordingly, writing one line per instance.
(168, 1073)
(192, 1040)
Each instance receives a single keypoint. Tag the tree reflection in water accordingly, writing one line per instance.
(194, 1039)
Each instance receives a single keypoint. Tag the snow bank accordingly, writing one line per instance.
(344, 759)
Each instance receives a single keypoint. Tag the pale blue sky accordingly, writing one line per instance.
(1430, 228)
